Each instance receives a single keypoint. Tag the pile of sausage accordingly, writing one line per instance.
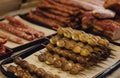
(26, 70)
(87, 15)
(20, 29)
(55, 13)
(2, 47)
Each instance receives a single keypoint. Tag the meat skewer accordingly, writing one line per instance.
(59, 62)
(13, 39)
(33, 69)
(13, 30)
(81, 59)
(76, 47)
(83, 37)
(19, 72)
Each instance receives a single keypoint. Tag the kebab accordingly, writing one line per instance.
(83, 37)
(19, 72)
(33, 69)
(60, 62)
(96, 55)
(83, 49)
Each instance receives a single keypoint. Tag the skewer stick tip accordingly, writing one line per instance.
(42, 44)
(5, 66)
(54, 28)
(36, 55)
(46, 38)
(99, 66)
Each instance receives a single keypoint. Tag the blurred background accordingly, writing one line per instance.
(7, 6)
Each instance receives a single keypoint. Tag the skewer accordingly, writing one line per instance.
(43, 44)
(82, 73)
(4, 66)
(64, 53)
(66, 64)
(46, 38)
(54, 28)
(99, 66)
(32, 68)
(112, 57)
(112, 54)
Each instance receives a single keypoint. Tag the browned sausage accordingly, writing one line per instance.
(14, 31)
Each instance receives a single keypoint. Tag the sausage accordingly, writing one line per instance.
(34, 33)
(2, 47)
(57, 12)
(24, 27)
(44, 20)
(76, 68)
(3, 41)
(62, 5)
(2, 50)
(16, 22)
(75, 4)
(53, 16)
(56, 8)
(10, 38)
(13, 30)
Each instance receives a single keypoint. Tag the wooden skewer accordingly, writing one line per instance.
(5, 66)
(46, 38)
(112, 57)
(82, 73)
(99, 66)
(102, 62)
(112, 49)
(36, 55)
(112, 54)
(43, 44)
(54, 28)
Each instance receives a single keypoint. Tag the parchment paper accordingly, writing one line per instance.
(87, 73)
